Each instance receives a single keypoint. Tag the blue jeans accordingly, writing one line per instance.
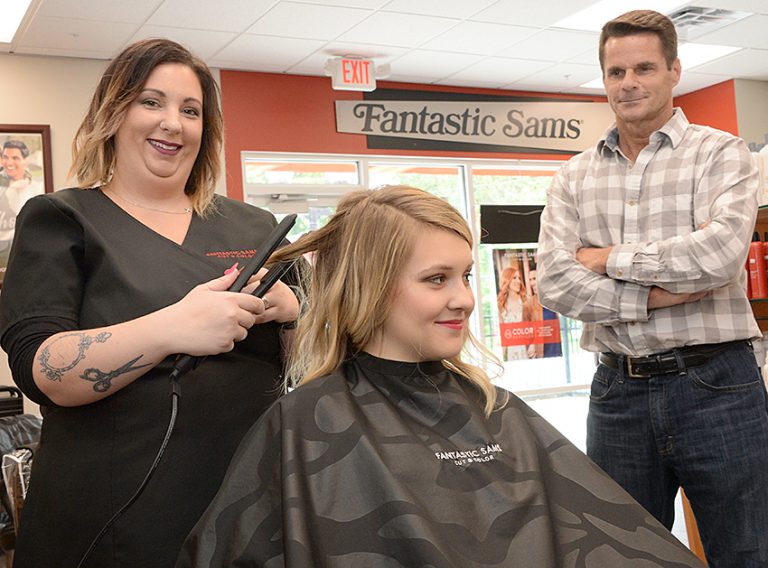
(705, 429)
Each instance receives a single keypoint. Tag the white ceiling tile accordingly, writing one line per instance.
(292, 19)
(749, 32)
(404, 30)
(103, 10)
(233, 16)
(553, 45)
(240, 65)
(450, 81)
(479, 37)
(67, 35)
(426, 79)
(564, 75)
(541, 13)
(502, 69)
(747, 64)
(588, 57)
(432, 63)
(583, 91)
(268, 50)
(482, 43)
(534, 87)
(370, 4)
(202, 43)
(314, 63)
(447, 8)
(593, 16)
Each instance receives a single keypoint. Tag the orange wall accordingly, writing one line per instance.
(293, 113)
(713, 106)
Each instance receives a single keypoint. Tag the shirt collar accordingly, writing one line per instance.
(673, 130)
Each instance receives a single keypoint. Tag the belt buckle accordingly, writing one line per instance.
(630, 373)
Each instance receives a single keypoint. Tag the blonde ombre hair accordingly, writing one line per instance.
(357, 258)
(93, 148)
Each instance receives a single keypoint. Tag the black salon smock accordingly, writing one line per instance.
(387, 464)
(78, 257)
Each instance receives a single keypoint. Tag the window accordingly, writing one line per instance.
(305, 172)
(446, 181)
(311, 185)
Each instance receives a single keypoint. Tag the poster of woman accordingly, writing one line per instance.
(528, 330)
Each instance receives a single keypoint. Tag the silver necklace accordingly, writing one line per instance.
(184, 212)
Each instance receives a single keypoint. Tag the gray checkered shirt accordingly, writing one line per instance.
(650, 213)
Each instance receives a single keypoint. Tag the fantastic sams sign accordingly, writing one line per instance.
(496, 125)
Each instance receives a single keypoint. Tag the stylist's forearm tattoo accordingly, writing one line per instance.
(71, 350)
(103, 380)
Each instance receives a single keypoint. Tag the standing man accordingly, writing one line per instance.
(644, 239)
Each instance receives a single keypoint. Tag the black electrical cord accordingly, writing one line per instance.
(275, 273)
(175, 395)
(185, 363)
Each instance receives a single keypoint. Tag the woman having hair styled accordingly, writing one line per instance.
(105, 284)
(394, 450)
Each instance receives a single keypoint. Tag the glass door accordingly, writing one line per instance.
(311, 185)
(529, 369)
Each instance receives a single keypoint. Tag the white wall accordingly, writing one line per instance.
(54, 91)
(752, 110)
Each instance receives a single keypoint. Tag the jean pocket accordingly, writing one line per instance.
(602, 384)
(729, 372)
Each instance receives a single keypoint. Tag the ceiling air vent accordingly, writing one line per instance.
(694, 21)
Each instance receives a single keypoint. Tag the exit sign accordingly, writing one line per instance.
(352, 74)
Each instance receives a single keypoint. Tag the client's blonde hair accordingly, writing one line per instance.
(358, 257)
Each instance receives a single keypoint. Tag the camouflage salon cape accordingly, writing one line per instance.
(390, 464)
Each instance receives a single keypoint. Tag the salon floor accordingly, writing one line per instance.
(568, 413)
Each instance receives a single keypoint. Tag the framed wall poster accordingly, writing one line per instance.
(527, 329)
(25, 171)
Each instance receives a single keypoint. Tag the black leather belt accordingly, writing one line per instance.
(673, 361)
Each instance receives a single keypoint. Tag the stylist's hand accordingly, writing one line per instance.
(209, 319)
(280, 303)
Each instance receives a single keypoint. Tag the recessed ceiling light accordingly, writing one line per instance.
(595, 16)
(596, 84)
(691, 55)
(694, 54)
(13, 13)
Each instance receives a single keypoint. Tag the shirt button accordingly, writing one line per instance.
(631, 202)
(619, 272)
(655, 276)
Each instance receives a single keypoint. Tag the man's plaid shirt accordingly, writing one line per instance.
(651, 213)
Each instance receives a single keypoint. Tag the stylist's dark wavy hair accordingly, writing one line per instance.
(93, 149)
